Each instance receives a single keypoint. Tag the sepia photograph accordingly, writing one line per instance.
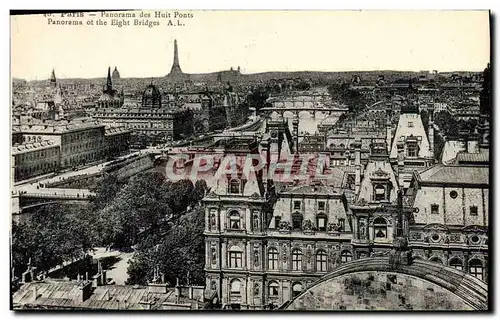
(250, 160)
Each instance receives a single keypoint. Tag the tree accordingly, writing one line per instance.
(49, 236)
(181, 252)
(106, 191)
(142, 204)
(200, 189)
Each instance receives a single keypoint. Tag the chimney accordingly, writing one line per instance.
(295, 124)
(357, 162)
(388, 131)
(401, 158)
(85, 290)
(190, 292)
(177, 290)
(431, 135)
(35, 294)
(464, 139)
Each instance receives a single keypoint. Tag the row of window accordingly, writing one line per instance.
(297, 205)
(83, 146)
(321, 222)
(476, 268)
(35, 155)
(80, 136)
(236, 259)
(45, 167)
(472, 209)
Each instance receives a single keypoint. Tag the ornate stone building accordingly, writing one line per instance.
(259, 258)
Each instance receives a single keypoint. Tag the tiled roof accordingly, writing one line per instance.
(66, 294)
(464, 157)
(456, 174)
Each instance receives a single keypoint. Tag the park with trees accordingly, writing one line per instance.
(160, 219)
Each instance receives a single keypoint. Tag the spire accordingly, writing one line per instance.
(53, 79)
(176, 68)
(109, 84)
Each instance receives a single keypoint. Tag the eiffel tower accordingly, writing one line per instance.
(176, 68)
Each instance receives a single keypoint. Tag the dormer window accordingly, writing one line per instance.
(297, 205)
(379, 192)
(321, 221)
(234, 186)
(412, 150)
(297, 220)
(321, 205)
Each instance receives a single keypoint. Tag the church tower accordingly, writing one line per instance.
(109, 83)
(176, 68)
(53, 80)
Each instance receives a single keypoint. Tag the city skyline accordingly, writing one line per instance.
(399, 40)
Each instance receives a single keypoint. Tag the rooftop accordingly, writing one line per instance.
(29, 147)
(66, 294)
(456, 174)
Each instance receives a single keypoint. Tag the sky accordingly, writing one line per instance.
(257, 41)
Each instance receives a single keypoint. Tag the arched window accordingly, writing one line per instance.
(296, 259)
(236, 287)
(321, 260)
(272, 259)
(235, 257)
(380, 228)
(436, 259)
(321, 221)
(476, 268)
(234, 220)
(296, 289)
(345, 256)
(297, 220)
(273, 289)
(456, 263)
(379, 192)
(234, 186)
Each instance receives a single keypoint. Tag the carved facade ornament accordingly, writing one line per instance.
(309, 255)
(256, 289)
(284, 226)
(256, 258)
(256, 223)
(211, 194)
(334, 227)
(255, 195)
(307, 225)
(284, 253)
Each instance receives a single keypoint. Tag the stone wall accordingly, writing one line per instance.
(379, 291)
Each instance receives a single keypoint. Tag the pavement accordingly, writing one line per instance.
(31, 186)
(118, 270)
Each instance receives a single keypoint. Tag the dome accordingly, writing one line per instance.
(116, 74)
(151, 98)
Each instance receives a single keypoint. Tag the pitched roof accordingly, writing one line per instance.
(472, 158)
(456, 174)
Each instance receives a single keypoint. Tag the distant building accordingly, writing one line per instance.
(412, 148)
(77, 143)
(151, 98)
(110, 98)
(35, 158)
(116, 74)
